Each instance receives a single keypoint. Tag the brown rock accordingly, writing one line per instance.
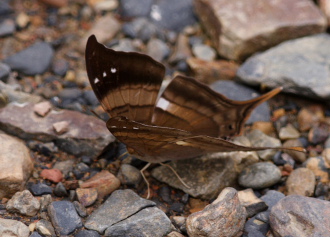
(251, 202)
(325, 8)
(224, 217)
(301, 216)
(319, 133)
(301, 182)
(211, 71)
(88, 135)
(86, 196)
(307, 117)
(56, 3)
(104, 182)
(297, 156)
(54, 175)
(326, 155)
(288, 132)
(16, 165)
(241, 28)
(182, 50)
(319, 167)
(265, 127)
(61, 127)
(42, 108)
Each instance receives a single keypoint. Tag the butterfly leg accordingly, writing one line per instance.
(145, 179)
(176, 174)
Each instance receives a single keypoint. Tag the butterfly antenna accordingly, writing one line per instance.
(96, 115)
(176, 174)
(145, 179)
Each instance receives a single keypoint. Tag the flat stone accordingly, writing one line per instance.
(118, 207)
(104, 182)
(251, 202)
(32, 61)
(301, 182)
(13, 228)
(297, 215)
(87, 135)
(23, 203)
(42, 108)
(13, 95)
(39, 189)
(16, 165)
(206, 175)
(150, 221)
(259, 175)
(64, 217)
(216, 218)
(238, 30)
(300, 66)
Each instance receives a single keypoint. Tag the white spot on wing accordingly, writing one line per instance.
(135, 128)
(163, 103)
(96, 80)
(113, 70)
(104, 74)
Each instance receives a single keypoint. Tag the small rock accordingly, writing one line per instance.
(22, 20)
(326, 155)
(297, 156)
(174, 234)
(182, 50)
(64, 166)
(40, 189)
(60, 190)
(42, 108)
(301, 182)
(259, 139)
(259, 175)
(90, 97)
(204, 52)
(45, 200)
(16, 165)
(157, 49)
(132, 8)
(319, 167)
(87, 233)
(86, 196)
(310, 116)
(32, 61)
(35, 234)
(12, 228)
(325, 8)
(129, 175)
(81, 210)
(60, 67)
(54, 175)
(297, 215)
(251, 202)
(45, 228)
(140, 28)
(225, 211)
(4, 72)
(64, 217)
(104, 182)
(7, 27)
(61, 127)
(56, 3)
(319, 133)
(288, 132)
(255, 228)
(23, 203)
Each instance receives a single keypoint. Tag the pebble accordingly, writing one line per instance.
(297, 215)
(42, 108)
(204, 52)
(157, 49)
(90, 98)
(35, 234)
(45, 200)
(40, 189)
(4, 72)
(54, 175)
(259, 139)
(174, 234)
(132, 8)
(23, 203)
(86, 196)
(309, 116)
(260, 175)
(319, 133)
(13, 228)
(7, 27)
(225, 211)
(22, 20)
(87, 233)
(301, 182)
(33, 60)
(64, 217)
(45, 228)
(16, 165)
(141, 28)
(64, 166)
(181, 50)
(129, 175)
(60, 67)
(81, 210)
(319, 167)
(61, 127)
(104, 182)
(297, 156)
(288, 132)
(60, 190)
(251, 202)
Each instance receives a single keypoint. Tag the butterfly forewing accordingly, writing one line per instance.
(126, 84)
(190, 105)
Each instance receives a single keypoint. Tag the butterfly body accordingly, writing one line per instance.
(188, 120)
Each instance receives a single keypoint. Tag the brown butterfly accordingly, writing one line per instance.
(188, 120)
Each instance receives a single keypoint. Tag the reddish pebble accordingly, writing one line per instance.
(54, 175)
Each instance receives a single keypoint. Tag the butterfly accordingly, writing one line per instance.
(187, 120)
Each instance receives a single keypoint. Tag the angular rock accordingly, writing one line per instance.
(301, 216)
(238, 30)
(86, 196)
(13, 228)
(297, 156)
(309, 117)
(23, 203)
(7, 27)
(259, 175)
(42, 108)
(288, 132)
(224, 217)
(150, 221)
(64, 217)
(32, 61)
(16, 165)
(182, 49)
(300, 66)
(54, 175)
(319, 167)
(215, 172)
(129, 175)
(118, 207)
(301, 182)
(104, 182)
(39, 189)
(45, 228)
(251, 202)
(4, 72)
(209, 72)
(87, 135)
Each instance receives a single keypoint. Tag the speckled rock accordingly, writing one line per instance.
(301, 182)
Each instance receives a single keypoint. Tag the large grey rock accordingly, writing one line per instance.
(23, 203)
(240, 28)
(301, 66)
(12, 228)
